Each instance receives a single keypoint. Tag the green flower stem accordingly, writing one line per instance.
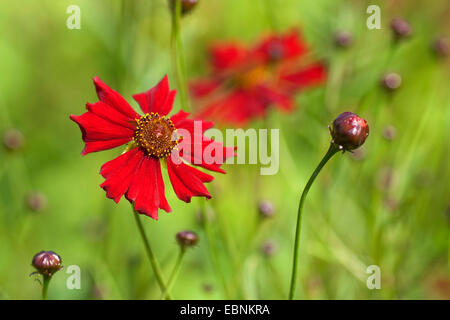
(45, 287)
(151, 257)
(213, 249)
(177, 54)
(331, 151)
(174, 273)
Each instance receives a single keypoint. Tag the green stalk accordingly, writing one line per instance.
(45, 287)
(331, 151)
(174, 273)
(213, 249)
(151, 257)
(177, 54)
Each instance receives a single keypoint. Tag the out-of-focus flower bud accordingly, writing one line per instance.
(359, 154)
(269, 248)
(391, 81)
(47, 263)
(208, 288)
(36, 201)
(186, 5)
(187, 239)
(13, 139)
(343, 39)
(401, 28)
(349, 131)
(389, 133)
(266, 209)
(441, 47)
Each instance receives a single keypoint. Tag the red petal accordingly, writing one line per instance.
(187, 182)
(100, 134)
(192, 157)
(203, 87)
(273, 96)
(110, 114)
(280, 47)
(313, 74)
(158, 99)
(228, 56)
(179, 116)
(119, 173)
(147, 189)
(95, 146)
(114, 99)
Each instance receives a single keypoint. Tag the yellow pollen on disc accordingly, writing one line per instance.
(156, 135)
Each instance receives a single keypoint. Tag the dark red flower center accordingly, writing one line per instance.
(156, 135)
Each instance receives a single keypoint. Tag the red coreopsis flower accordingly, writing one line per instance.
(152, 138)
(245, 82)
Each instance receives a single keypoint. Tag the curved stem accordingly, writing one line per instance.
(174, 274)
(151, 256)
(45, 287)
(331, 151)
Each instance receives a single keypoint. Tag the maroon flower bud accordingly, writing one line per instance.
(208, 288)
(349, 131)
(391, 81)
(186, 5)
(47, 263)
(266, 209)
(389, 133)
(269, 248)
(187, 239)
(36, 201)
(441, 47)
(343, 39)
(13, 139)
(401, 28)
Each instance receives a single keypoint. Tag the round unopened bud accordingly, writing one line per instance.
(266, 209)
(343, 39)
(187, 239)
(36, 201)
(391, 81)
(441, 47)
(389, 133)
(47, 263)
(349, 131)
(401, 28)
(186, 5)
(13, 139)
(269, 248)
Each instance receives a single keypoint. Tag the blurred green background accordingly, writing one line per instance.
(387, 204)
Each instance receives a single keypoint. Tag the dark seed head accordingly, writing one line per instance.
(187, 239)
(36, 201)
(391, 81)
(400, 28)
(266, 209)
(349, 131)
(47, 263)
(343, 39)
(441, 47)
(186, 5)
(13, 139)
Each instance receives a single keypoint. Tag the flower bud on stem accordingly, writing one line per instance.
(348, 133)
(46, 263)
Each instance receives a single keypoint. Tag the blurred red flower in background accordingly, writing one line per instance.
(245, 82)
(112, 122)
